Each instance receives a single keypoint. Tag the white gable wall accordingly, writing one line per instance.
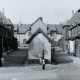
(39, 43)
(37, 25)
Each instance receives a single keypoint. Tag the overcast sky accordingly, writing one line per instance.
(52, 11)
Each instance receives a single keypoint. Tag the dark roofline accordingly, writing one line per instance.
(59, 33)
(32, 25)
(66, 26)
(40, 18)
(35, 34)
(75, 26)
(72, 25)
(22, 33)
(8, 24)
(3, 27)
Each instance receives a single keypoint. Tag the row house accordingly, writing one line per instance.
(22, 33)
(72, 32)
(7, 39)
(72, 38)
(5, 35)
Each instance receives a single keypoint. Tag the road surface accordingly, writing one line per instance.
(69, 71)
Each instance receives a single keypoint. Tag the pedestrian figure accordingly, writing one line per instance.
(43, 64)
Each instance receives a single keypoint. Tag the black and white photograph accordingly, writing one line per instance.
(39, 39)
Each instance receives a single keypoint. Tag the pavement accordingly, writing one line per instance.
(68, 71)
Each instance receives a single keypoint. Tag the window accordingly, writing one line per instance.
(69, 33)
(24, 41)
(72, 33)
(78, 29)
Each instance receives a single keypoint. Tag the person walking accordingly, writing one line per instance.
(43, 64)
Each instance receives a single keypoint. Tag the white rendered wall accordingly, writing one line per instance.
(37, 45)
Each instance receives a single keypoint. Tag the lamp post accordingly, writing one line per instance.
(43, 54)
(52, 47)
(43, 61)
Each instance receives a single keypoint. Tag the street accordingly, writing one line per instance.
(68, 71)
(15, 67)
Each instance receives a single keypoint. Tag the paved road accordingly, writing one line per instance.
(69, 71)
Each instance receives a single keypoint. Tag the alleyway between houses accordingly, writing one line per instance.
(66, 71)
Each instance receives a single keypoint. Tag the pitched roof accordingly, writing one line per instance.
(40, 18)
(22, 28)
(55, 27)
(36, 33)
(75, 19)
(51, 27)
